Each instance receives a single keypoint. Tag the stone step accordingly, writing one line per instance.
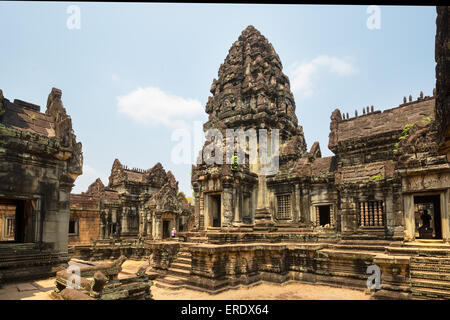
(376, 235)
(430, 275)
(431, 260)
(184, 254)
(181, 265)
(173, 280)
(18, 248)
(426, 252)
(350, 253)
(198, 239)
(427, 244)
(183, 260)
(366, 242)
(430, 293)
(430, 284)
(177, 271)
(363, 247)
(165, 285)
(429, 267)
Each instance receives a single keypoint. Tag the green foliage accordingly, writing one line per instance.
(427, 119)
(403, 135)
(377, 177)
(234, 165)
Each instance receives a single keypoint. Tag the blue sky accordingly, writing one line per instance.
(133, 73)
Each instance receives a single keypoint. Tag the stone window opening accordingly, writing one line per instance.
(371, 213)
(133, 222)
(74, 227)
(324, 215)
(284, 206)
(10, 228)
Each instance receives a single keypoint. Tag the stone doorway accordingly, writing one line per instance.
(216, 211)
(16, 221)
(427, 217)
(166, 229)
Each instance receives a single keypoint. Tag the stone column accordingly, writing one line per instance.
(124, 221)
(445, 206)
(55, 214)
(297, 210)
(142, 221)
(349, 214)
(227, 206)
(197, 207)
(158, 226)
(410, 228)
(238, 206)
(263, 216)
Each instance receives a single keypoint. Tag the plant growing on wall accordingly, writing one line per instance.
(403, 136)
(234, 163)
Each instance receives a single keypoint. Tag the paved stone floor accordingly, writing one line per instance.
(269, 291)
(31, 290)
(40, 290)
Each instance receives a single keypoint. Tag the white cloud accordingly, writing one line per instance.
(303, 76)
(153, 106)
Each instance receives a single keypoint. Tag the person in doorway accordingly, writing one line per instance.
(174, 233)
(425, 231)
(426, 219)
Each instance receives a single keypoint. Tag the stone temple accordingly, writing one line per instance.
(39, 162)
(135, 204)
(382, 199)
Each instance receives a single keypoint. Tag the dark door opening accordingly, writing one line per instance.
(15, 221)
(324, 215)
(216, 211)
(427, 215)
(166, 231)
(180, 225)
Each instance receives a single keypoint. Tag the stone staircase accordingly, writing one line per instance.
(430, 271)
(178, 272)
(361, 245)
(420, 247)
(10, 249)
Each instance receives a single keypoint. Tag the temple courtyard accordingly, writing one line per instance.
(41, 290)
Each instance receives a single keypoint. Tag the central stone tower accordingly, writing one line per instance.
(251, 92)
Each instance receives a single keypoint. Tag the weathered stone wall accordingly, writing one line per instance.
(442, 56)
(85, 210)
(110, 250)
(217, 267)
(39, 162)
(389, 120)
